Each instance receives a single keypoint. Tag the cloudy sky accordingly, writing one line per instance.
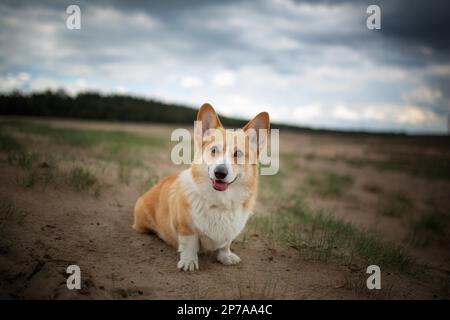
(311, 63)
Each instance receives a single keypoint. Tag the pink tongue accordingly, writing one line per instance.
(220, 185)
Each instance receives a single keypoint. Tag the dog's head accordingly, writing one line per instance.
(224, 157)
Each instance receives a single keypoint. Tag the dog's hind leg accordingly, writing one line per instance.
(141, 217)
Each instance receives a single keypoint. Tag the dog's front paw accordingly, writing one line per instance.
(228, 258)
(188, 264)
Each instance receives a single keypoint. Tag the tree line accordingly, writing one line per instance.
(117, 107)
(94, 106)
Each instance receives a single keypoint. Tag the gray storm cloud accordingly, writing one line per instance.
(309, 63)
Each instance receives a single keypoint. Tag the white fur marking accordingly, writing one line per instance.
(188, 247)
(218, 216)
(226, 257)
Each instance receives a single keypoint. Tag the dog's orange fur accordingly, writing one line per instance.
(164, 209)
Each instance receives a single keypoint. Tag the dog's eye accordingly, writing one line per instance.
(214, 150)
(238, 154)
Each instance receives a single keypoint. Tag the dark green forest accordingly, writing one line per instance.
(94, 106)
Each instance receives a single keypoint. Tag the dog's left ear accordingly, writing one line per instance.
(208, 116)
(261, 126)
(207, 121)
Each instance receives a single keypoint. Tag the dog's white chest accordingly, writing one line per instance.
(217, 226)
(217, 217)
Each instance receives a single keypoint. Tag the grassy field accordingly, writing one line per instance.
(339, 204)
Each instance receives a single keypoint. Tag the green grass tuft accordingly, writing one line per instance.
(430, 227)
(86, 137)
(321, 236)
(22, 158)
(330, 184)
(434, 222)
(81, 179)
(8, 143)
(395, 204)
(9, 212)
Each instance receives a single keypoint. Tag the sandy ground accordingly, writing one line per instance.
(56, 226)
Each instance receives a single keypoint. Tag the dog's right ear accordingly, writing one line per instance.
(208, 117)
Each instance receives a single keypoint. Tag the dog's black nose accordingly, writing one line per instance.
(220, 171)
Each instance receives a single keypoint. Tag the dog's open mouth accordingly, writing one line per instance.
(221, 185)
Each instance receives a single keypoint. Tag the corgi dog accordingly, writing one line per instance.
(205, 207)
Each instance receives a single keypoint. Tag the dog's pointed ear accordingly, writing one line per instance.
(258, 129)
(208, 117)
